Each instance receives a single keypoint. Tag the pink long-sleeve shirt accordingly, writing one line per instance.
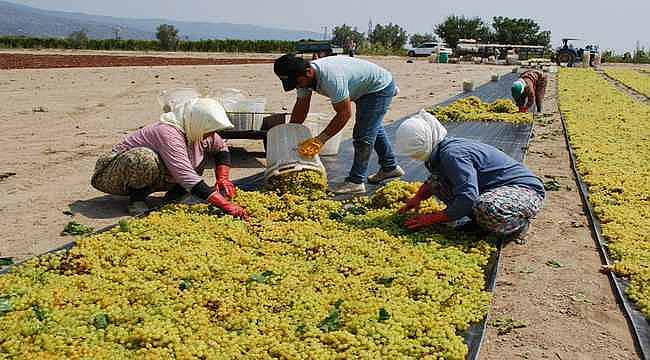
(181, 159)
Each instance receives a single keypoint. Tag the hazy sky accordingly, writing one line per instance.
(612, 24)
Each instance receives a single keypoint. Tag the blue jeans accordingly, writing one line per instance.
(369, 132)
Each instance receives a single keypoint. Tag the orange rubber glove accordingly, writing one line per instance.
(233, 209)
(222, 174)
(420, 221)
(310, 147)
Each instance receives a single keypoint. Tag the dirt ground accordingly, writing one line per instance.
(51, 61)
(55, 122)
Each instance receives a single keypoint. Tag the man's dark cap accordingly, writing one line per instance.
(288, 67)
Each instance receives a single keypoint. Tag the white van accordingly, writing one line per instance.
(425, 49)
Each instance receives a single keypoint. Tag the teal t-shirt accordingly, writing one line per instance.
(341, 77)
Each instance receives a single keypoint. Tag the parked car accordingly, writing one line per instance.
(320, 48)
(425, 49)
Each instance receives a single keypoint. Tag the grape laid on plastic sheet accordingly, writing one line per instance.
(473, 109)
(307, 277)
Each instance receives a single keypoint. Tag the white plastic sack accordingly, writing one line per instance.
(170, 99)
(419, 135)
(230, 99)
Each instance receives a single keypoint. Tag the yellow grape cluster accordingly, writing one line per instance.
(635, 79)
(473, 109)
(395, 194)
(609, 132)
(305, 278)
(301, 183)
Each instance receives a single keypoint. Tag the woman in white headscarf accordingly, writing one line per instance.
(170, 155)
(475, 180)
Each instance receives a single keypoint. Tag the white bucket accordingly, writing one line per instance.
(468, 86)
(316, 123)
(282, 155)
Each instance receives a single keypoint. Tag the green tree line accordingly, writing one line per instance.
(382, 39)
(392, 38)
(258, 46)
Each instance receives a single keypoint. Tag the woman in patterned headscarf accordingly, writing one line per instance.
(475, 180)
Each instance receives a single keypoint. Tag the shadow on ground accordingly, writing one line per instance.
(101, 207)
(246, 159)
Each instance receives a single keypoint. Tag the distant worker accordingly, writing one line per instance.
(345, 80)
(350, 46)
(170, 155)
(476, 180)
(529, 89)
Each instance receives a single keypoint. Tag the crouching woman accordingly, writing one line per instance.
(170, 155)
(474, 179)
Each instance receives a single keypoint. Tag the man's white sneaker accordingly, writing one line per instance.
(347, 187)
(381, 175)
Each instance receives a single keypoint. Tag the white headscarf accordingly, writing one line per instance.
(419, 136)
(197, 117)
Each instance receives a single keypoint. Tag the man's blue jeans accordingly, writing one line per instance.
(369, 132)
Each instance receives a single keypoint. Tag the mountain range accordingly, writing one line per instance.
(21, 20)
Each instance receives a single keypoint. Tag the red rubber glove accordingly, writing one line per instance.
(523, 109)
(222, 174)
(424, 192)
(233, 209)
(420, 221)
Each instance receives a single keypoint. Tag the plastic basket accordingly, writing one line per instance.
(246, 114)
(246, 121)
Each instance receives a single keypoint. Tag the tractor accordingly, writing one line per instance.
(569, 55)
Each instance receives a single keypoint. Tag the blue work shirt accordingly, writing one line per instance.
(342, 77)
(471, 168)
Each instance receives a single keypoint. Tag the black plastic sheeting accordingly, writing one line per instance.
(511, 139)
(638, 323)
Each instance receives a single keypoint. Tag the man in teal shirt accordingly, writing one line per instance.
(345, 80)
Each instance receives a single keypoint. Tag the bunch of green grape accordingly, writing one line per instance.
(302, 183)
(395, 194)
(473, 109)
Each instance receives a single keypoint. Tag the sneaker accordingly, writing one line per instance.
(382, 175)
(137, 208)
(348, 187)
